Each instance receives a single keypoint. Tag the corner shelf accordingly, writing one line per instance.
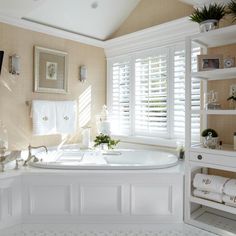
(212, 220)
(218, 37)
(211, 216)
(212, 204)
(214, 112)
(217, 74)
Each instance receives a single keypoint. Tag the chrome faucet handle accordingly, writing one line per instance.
(17, 164)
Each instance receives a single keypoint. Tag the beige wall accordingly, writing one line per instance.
(15, 90)
(224, 125)
(153, 12)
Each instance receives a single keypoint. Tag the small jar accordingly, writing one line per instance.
(234, 140)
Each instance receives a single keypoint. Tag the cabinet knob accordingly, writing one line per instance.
(199, 157)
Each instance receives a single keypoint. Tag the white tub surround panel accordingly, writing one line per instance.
(102, 198)
(85, 197)
(10, 201)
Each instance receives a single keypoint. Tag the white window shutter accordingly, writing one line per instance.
(120, 107)
(151, 95)
(179, 94)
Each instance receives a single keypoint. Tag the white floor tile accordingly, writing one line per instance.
(75, 230)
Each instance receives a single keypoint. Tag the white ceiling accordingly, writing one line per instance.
(75, 16)
(199, 3)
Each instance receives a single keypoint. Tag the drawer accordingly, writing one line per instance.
(215, 159)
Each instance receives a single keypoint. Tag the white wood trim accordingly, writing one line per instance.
(158, 36)
(51, 31)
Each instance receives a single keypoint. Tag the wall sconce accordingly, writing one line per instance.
(83, 73)
(14, 64)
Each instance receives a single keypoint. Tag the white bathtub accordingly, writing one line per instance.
(85, 196)
(75, 159)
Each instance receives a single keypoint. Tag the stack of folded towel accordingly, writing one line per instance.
(215, 188)
(229, 196)
(209, 187)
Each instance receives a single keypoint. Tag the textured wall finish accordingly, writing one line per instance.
(149, 13)
(15, 90)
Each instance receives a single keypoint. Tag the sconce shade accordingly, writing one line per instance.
(83, 73)
(14, 64)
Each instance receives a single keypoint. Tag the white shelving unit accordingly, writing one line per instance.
(209, 215)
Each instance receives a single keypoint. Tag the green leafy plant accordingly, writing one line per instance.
(206, 133)
(212, 12)
(232, 9)
(103, 138)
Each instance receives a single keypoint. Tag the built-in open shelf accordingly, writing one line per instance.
(212, 204)
(214, 112)
(218, 37)
(217, 74)
(213, 220)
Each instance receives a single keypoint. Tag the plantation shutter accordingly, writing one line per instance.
(179, 94)
(151, 95)
(120, 107)
(195, 99)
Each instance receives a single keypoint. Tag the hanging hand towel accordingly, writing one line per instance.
(209, 183)
(43, 117)
(217, 197)
(66, 113)
(231, 200)
(230, 187)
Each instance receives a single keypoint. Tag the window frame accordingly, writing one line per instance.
(168, 140)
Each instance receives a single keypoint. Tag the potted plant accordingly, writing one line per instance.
(208, 17)
(232, 9)
(105, 142)
(210, 138)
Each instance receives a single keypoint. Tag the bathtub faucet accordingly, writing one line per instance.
(30, 156)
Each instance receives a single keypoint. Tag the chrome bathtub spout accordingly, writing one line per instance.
(30, 156)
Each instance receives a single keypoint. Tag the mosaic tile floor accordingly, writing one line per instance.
(72, 230)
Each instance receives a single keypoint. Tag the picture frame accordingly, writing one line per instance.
(209, 62)
(50, 70)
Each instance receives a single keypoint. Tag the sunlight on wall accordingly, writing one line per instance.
(85, 107)
(6, 79)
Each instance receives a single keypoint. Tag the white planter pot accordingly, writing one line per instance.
(208, 25)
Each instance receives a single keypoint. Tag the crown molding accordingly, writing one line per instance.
(158, 36)
(201, 3)
(51, 31)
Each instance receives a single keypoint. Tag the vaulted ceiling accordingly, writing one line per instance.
(94, 18)
(198, 3)
(97, 19)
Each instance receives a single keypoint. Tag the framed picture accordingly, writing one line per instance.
(50, 70)
(209, 62)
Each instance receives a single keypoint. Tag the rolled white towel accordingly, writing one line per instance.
(217, 197)
(230, 187)
(210, 183)
(231, 200)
